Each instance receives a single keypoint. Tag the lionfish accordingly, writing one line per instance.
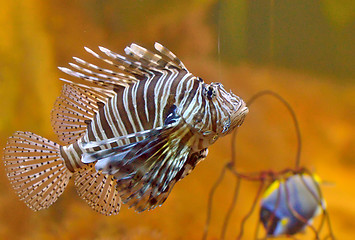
(128, 134)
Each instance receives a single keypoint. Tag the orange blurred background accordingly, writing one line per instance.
(303, 50)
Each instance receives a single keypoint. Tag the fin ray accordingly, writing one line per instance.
(169, 54)
(98, 190)
(145, 171)
(72, 109)
(38, 175)
(162, 60)
(139, 64)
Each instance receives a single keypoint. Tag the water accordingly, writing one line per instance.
(304, 51)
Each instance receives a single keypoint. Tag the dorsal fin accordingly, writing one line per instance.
(164, 59)
(139, 64)
(170, 55)
(72, 110)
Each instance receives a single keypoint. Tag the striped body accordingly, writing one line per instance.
(139, 107)
(132, 134)
(145, 105)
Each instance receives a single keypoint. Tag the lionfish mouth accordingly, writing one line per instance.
(238, 117)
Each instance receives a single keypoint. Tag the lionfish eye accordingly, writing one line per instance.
(211, 93)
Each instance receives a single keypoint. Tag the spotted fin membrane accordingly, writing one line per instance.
(35, 169)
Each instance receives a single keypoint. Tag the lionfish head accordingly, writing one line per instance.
(229, 110)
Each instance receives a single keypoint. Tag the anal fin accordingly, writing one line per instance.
(98, 190)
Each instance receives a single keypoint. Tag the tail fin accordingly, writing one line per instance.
(35, 169)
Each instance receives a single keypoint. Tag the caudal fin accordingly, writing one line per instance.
(35, 169)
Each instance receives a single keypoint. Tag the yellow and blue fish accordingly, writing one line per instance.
(289, 205)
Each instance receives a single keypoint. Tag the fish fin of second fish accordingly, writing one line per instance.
(35, 169)
(72, 108)
(98, 190)
(146, 170)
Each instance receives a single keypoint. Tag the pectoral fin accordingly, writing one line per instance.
(145, 170)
